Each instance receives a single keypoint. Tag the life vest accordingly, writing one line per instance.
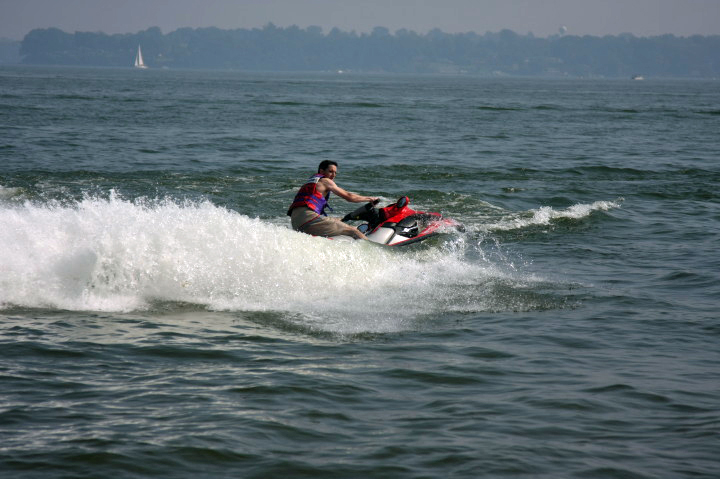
(309, 197)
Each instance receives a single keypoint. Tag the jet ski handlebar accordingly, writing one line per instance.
(359, 212)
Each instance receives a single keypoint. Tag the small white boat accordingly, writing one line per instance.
(139, 63)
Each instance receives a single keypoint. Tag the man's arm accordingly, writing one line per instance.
(346, 195)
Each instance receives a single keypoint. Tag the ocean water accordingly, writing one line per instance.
(158, 318)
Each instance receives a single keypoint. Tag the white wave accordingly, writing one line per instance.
(118, 255)
(7, 193)
(545, 215)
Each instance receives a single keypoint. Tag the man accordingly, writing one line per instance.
(307, 211)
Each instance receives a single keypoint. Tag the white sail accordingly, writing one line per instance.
(139, 63)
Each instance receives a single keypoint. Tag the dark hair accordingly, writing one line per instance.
(325, 164)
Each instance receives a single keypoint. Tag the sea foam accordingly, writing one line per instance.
(112, 254)
(545, 215)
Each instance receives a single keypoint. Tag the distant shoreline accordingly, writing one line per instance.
(271, 48)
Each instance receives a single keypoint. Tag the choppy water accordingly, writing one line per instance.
(159, 318)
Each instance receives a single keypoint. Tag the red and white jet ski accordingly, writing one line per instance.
(397, 224)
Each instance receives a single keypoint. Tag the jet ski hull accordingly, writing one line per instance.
(397, 224)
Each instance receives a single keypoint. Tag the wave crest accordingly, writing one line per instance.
(545, 215)
(115, 255)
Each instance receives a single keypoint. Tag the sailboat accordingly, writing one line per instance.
(139, 63)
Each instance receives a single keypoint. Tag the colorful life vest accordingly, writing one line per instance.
(309, 197)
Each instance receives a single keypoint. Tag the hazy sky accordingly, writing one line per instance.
(541, 17)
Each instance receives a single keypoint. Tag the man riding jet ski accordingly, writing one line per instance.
(307, 211)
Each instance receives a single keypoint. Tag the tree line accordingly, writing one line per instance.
(274, 48)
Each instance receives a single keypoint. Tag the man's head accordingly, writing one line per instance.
(328, 168)
(325, 164)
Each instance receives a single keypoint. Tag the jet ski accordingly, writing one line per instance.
(397, 224)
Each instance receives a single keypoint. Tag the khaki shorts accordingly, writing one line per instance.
(307, 221)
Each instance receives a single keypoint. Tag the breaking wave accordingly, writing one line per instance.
(113, 254)
(545, 215)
